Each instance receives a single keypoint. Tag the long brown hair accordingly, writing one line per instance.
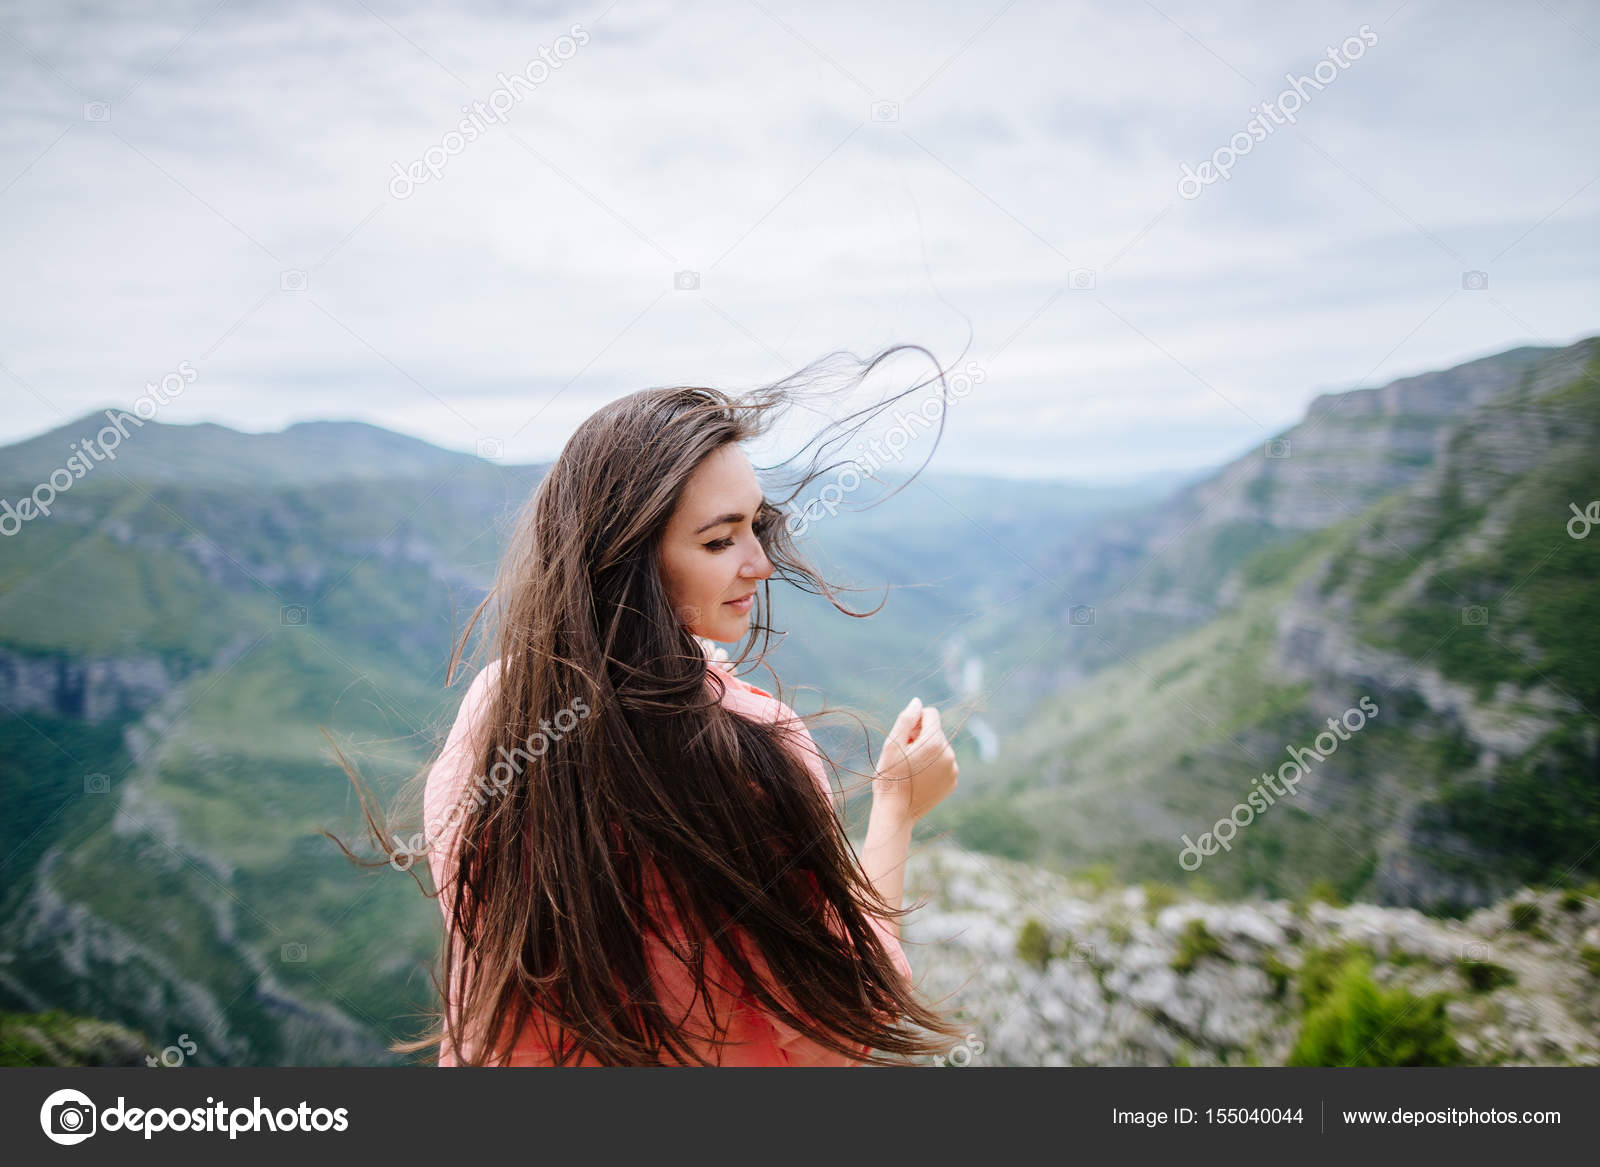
(659, 789)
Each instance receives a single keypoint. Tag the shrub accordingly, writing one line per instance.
(1525, 917)
(1359, 1024)
(1320, 967)
(1033, 943)
(1158, 896)
(1590, 955)
(1484, 976)
(1098, 876)
(1324, 891)
(1278, 974)
(1195, 942)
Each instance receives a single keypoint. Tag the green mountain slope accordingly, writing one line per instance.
(174, 635)
(1459, 604)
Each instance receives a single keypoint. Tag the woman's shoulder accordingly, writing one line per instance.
(466, 733)
(480, 689)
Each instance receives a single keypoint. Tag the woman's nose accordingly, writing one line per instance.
(758, 568)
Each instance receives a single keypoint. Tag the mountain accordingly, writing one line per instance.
(177, 632)
(1456, 602)
(1174, 565)
(206, 453)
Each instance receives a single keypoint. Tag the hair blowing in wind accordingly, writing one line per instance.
(660, 797)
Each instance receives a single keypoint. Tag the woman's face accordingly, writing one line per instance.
(709, 552)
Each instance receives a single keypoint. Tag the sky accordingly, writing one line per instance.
(281, 200)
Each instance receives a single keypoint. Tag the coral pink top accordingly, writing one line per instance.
(753, 1037)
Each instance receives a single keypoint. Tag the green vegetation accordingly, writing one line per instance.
(1539, 814)
(1484, 976)
(1524, 917)
(1351, 1021)
(1323, 891)
(1158, 896)
(1033, 943)
(1194, 943)
(1278, 974)
(57, 1038)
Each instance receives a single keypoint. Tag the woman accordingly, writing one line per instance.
(637, 853)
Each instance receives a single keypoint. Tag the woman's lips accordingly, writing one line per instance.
(741, 606)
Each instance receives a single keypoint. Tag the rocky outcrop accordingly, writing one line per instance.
(1123, 983)
(58, 684)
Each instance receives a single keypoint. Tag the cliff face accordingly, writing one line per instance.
(1152, 575)
(88, 689)
(1121, 976)
(1467, 593)
(1459, 603)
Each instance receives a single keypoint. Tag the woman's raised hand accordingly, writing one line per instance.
(917, 767)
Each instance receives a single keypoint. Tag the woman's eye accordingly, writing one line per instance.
(719, 544)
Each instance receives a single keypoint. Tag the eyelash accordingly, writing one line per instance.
(763, 521)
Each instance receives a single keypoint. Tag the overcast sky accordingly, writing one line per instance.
(215, 183)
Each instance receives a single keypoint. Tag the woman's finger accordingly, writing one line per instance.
(907, 725)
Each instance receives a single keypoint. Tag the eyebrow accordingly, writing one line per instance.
(728, 518)
(717, 522)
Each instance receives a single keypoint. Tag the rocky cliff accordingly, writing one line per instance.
(1049, 971)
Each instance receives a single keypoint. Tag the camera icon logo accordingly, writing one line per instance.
(97, 111)
(686, 281)
(885, 111)
(1081, 615)
(1081, 279)
(1476, 615)
(97, 784)
(491, 448)
(293, 280)
(1278, 448)
(294, 953)
(1474, 281)
(68, 1117)
(292, 615)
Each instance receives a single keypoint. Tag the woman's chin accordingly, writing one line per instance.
(730, 633)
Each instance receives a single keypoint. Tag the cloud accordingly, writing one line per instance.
(836, 177)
